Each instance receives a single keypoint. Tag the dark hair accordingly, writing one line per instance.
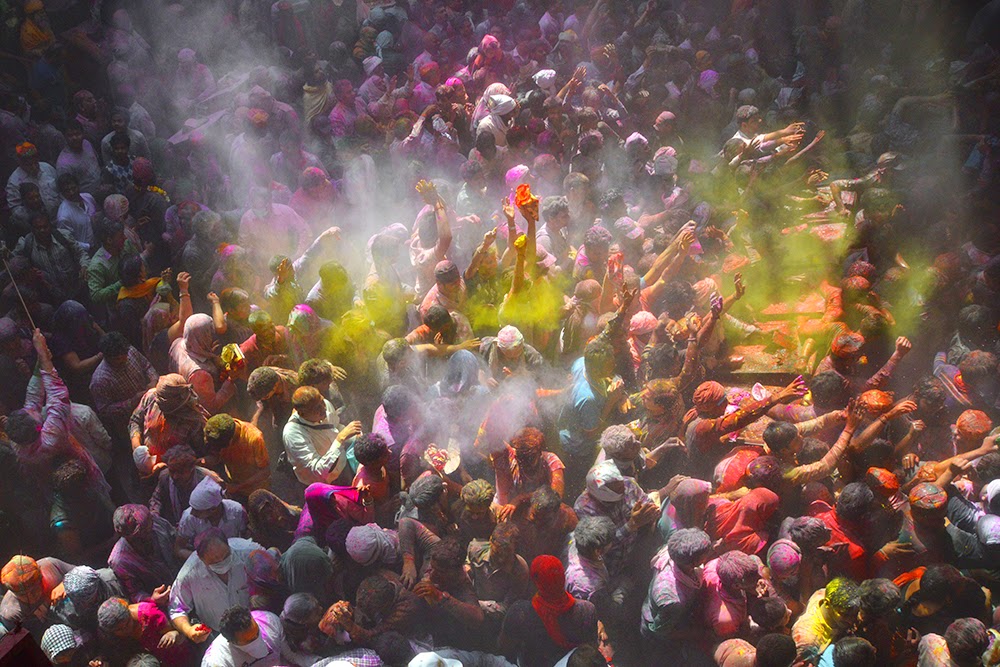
(688, 546)
(829, 390)
(108, 229)
(854, 501)
(853, 652)
(205, 539)
(22, 427)
(375, 595)
(746, 113)
(261, 381)
(977, 366)
(394, 351)
(398, 400)
(70, 476)
(143, 660)
(129, 270)
(505, 533)
(597, 352)
(988, 467)
(939, 582)
(448, 553)
(113, 344)
(65, 180)
(769, 613)
(812, 450)
(976, 324)
(808, 532)
(678, 297)
(593, 533)
(775, 650)
(779, 435)
(597, 238)
(426, 490)
(393, 648)
(586, 655)
(879, 454)
(967, 640)
(437, 317)
(930, 390)
(544, 499)
(369, 448)
(120, 139)
(879, 597)
(234, 621)
(315, 371)
(232, 298)
(219, 430)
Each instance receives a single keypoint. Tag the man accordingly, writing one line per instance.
(31, 170)
(553, 236)
(143, 557)
(499, 576)
(267, 339)
(248, 638)
(315, 442)
(594, 396)
(102, 271)
(209, 510)
(507, 353)
(61, 260)
(29, 585)
(119, 125)
(830, 614)
(79, 159)
(75, 217)
(749, 120)
(240, 447)
(348, 109)
(456, 616)
(20, 216)
(119, 382)
(448, 290)
(213, 579)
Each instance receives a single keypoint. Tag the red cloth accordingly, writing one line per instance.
(741, 524)
(551, 601)
(844, 541)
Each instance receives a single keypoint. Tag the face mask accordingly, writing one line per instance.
(256, 649)
(223, 566)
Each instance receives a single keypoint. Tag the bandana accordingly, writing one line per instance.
(551, 601)
(882, 481)
(927, 496)
(602, 474)
(142, 171)
(57, 640)
(173, 393)
(207, 495)
(21, 575)
(26, 149)
(709, 395)
(509, 338)
(501, 104)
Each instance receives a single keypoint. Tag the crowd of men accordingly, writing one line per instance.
(451, 332)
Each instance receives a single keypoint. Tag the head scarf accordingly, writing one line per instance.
(21, 575)
(73, 330)
(482, 107)
(263, 571)
(116, 207)
(370, 544)
(370, 64)
(599, 477)
(736, 653)
(58, 639)
(847, 346)
(875, 401)
(708, 396)
(509, 338)
(927, 496)
(783, 559)
(26, 149)
(142, 172)
(132, 520)
(501, 105)
(707, 81)
(545, 79)
(462, 374)
(207, 495)
(305, 566)
(882, 481)
(515, 176)
(173, 393)
(199, 337)
(642, 323)
(742, 524)
(690, 496)
(85, 589)
(551, 601)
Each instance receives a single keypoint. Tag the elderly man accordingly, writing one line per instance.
(31, 170)
(209, 510)
(507, 353)
(248, 638)
(315, 442)
(143, 558)
(61, 259)
(213, 579)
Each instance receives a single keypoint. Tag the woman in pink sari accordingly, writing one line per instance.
(193, 357)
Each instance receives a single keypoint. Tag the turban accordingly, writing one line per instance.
(26, 149)
(847, 346)
(501, 104)
(709, 395)
(132, 520)
(602, 474)
(514, 175)
(446, 272)
(882, 481)
(973, 425)
(642, 323)
(370, 544)
(85, 588)
(207, 495)
(927, 496)
(664, 117)
(370, 64)
(116, 207)
(478, 493)
(186, 56)
(142, 171)
(21, 575)
(509, 338)
(173, 393)
(57, 640)
(783, 559)
(875, 401)
(545, 78)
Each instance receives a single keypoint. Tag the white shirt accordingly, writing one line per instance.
(76, 219)
(221, 653)
(233, 523)
(46, 183)
(315, 454)
(197, 591)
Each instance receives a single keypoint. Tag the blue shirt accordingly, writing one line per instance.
(581, 416)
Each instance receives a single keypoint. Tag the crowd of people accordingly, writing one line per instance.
(537, 333)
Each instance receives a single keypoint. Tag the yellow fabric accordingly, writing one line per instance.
(143, 289)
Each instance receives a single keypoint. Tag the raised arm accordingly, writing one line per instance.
(185, 310)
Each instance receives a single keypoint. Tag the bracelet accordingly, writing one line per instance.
(185, 294)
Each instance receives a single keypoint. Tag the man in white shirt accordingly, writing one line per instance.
(76, 212)
(248, 638)
(209, 510)
(31, 170)
(315, 442)
(213, 579)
